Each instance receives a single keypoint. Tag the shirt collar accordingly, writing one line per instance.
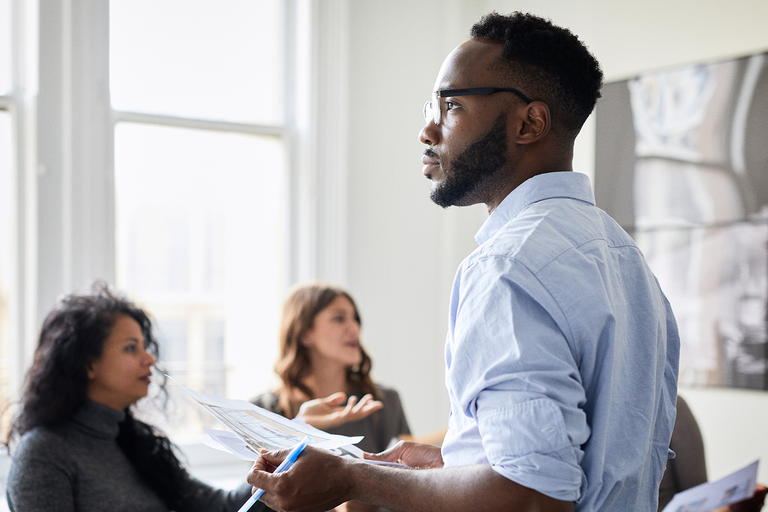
(564, 184)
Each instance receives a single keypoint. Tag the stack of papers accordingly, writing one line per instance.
(254, 428)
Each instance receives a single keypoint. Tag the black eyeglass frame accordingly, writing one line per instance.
(472, 91)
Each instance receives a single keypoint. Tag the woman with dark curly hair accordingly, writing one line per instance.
(75, 443)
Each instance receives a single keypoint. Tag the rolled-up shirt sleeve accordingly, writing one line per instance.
(561, 352)
(515, 381)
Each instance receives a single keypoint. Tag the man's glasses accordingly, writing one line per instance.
(432, 110)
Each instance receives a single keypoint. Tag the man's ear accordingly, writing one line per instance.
(536, 121)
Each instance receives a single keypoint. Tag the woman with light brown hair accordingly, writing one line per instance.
(322, 363)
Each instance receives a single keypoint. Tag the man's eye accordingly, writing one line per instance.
(449, 105)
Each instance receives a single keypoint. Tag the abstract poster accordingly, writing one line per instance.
(682, 165)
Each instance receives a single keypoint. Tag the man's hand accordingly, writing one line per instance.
(317, 476)
(753, 504)
(415, 455)
(329, 412)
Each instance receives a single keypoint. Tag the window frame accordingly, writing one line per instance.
(76, 228)
(64, 230)
(20, 103)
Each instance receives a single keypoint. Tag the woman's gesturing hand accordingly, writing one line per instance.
(328, 412)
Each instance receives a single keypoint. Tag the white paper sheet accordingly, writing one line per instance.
(708, 496)
(254, 428)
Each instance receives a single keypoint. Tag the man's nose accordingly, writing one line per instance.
(430, 133)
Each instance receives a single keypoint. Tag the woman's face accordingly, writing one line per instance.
(121, 375)
(335, 335)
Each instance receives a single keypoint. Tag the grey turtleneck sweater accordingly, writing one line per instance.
(79, 467)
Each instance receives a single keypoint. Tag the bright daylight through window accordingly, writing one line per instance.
(200, 182)
(6, 205)
(5, 258)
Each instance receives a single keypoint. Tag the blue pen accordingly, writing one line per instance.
(287, 462)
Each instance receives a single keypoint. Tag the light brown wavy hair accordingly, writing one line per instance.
(300, 309)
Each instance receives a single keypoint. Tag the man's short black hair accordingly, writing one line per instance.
(547, 63)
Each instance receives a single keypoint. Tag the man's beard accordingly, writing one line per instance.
(472, 168)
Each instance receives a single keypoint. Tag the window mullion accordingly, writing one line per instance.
(75, 192)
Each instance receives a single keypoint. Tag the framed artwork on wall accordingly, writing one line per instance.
(682, 164)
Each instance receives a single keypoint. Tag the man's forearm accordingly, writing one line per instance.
(478, 488)
(320, 481)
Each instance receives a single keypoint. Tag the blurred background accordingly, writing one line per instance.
(203, 156)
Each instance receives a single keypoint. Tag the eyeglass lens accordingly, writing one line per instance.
(432, 109)
(436, 110)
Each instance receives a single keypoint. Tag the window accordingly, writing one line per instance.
(7, 211)
(195, 157)
(200, 187)
(6, 271)
(5, 47)
(183, 163)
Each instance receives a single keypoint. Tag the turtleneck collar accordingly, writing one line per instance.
(98, 420)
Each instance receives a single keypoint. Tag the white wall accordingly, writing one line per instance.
(403, 250)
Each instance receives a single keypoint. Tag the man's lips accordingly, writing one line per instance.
(429, 163)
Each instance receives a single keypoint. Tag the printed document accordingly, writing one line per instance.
(254, 428)
(737, 486)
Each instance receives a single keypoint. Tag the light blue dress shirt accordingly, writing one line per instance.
(562, 352)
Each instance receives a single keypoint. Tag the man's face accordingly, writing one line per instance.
(467, 153)
(464, 174)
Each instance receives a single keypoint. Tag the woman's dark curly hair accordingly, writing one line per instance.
(72, 336)
(301, 307)
(547, 63)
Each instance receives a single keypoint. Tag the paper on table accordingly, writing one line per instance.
(735, 487)
(262, 429)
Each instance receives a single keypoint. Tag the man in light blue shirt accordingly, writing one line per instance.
(562, 351)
